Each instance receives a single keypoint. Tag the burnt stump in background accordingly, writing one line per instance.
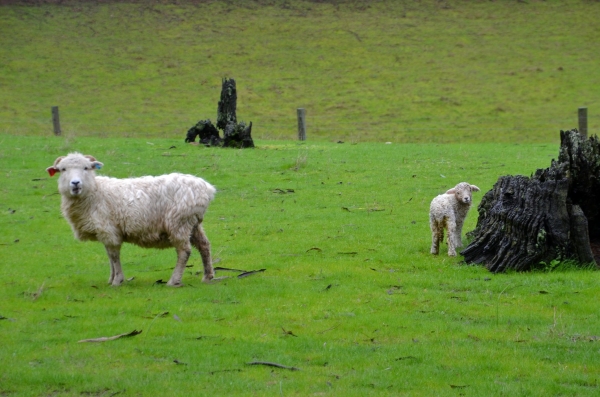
(236, 135)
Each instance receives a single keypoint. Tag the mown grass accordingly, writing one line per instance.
(350, 294)
(428, 71)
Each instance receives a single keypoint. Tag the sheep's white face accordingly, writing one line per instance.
(463, 191)
(76, 174)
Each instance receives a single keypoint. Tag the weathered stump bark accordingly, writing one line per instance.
(238, 136)
(227, 104)
(526, 222)
(207, 133)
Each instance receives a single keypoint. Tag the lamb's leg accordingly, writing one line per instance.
(452, 238)
(183, 254)
(200, 241)
(437, 234)
(459, 226)
(116, 273)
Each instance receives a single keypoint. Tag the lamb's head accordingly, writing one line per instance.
(462, 192)
(77, 176)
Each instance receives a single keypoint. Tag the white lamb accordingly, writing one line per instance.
(449, 210)
(152, 212)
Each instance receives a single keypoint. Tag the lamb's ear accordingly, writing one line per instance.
(451, 191)
(474, 188)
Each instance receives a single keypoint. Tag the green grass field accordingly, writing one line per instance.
(349, 295)
(400, 71)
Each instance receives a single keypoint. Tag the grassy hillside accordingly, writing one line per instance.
(401, 71)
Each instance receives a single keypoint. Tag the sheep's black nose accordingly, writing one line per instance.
(75, 183)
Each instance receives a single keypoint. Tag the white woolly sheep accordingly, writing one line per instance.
(449, 210)
(152, 212)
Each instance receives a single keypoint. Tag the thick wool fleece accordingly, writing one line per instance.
(153, 212)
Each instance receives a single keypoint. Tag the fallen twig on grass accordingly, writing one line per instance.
(225, 370)
(228, 269)
(38, 293)
(107, 338)
(269, 364)
(251, 272)
(179, 362)
(328, 329)
(243, 273)
(406, 358)
(288, 332)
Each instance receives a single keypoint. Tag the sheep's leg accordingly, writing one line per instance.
(183, 254)
(116, 273)
(200, 241)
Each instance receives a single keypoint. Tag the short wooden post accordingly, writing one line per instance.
(56, 120)
(301, 124)
(582, 113)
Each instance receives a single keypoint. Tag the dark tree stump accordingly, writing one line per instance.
(525, 222)
(207, 133)
(227, 104)
(238, 136)
(235, 135)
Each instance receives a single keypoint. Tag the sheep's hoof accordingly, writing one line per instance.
(207, 278)
(175, 284)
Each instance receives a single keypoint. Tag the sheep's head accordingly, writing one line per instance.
(76, 173)
(462, 192)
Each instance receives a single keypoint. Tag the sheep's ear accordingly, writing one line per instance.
(58, 160)
(474, 188)
(52, 170)
(95, 163)
(451, 191)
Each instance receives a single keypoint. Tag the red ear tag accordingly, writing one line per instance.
(51, 171)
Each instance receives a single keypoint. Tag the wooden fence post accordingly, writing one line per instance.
(301, 124)
(56, 120)
(582, 114)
